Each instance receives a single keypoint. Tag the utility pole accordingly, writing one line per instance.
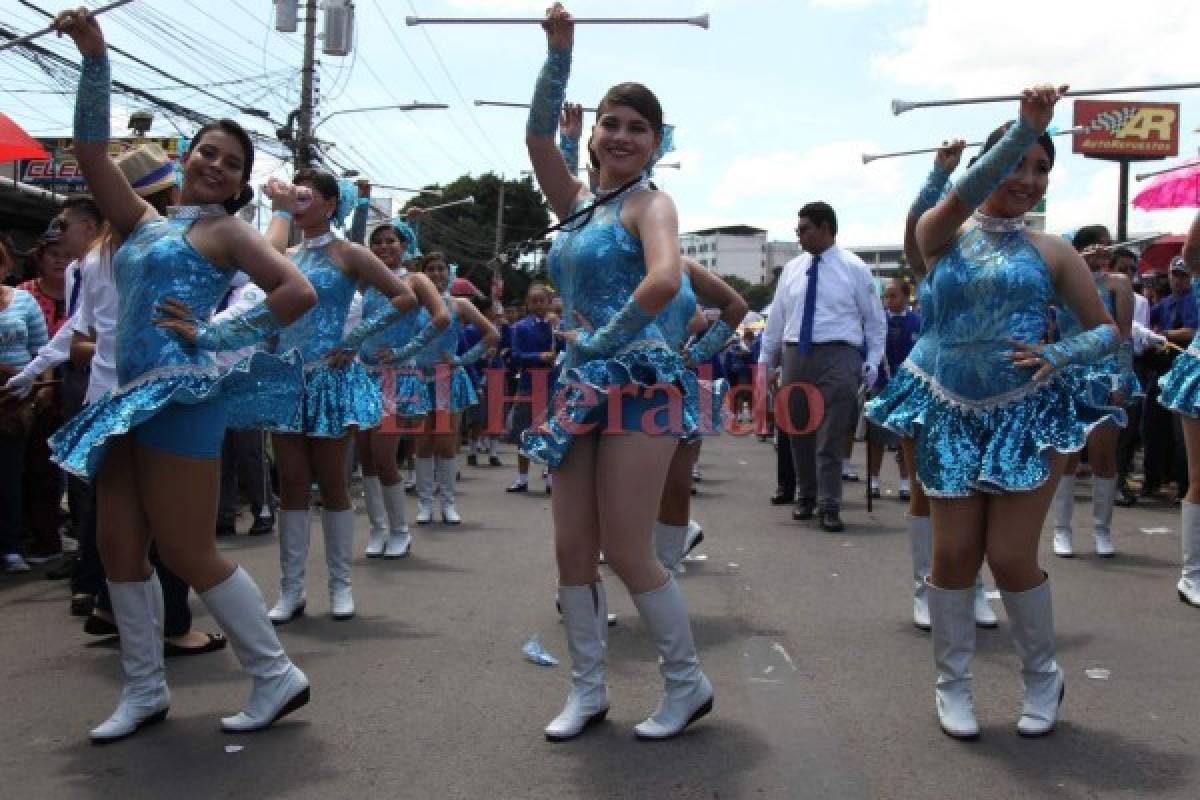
(500, 219)
(304, 141)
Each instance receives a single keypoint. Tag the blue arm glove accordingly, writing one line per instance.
(472, 355)
(937, 183)
(620, 331)
(358, 220)
(1082, 348)
(570, 150)
(996, 164)
(416, 344)
(708, 345)
(92, 100)
(369, 327)
(237, 332)
(549, 94)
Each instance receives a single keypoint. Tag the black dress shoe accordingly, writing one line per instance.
(782, 498)
(63, 570)
(262, 526)
(518, 487)
(226, 529)
(830, 521)
(805, 508)
(82, 604)
(472, 460)
(1126, 498)
(494, 461)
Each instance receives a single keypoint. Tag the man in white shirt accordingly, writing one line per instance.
(825, 312)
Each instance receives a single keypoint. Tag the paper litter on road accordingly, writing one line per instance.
(1155, 531)
(733, 565)
(537, 654)
(743, 463)
(695, 558)
(1098, 673)
(234, 748)
(994, 594)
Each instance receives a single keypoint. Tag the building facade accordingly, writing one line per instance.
(738, 250)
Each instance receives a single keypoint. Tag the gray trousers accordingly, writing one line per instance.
(835, 370)
(243, 461)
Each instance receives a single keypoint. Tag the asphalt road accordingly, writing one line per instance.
(824, 688)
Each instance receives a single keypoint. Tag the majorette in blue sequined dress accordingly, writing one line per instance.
(334, 399)
(596, 267)
(979, 423)
(401, 386)
(1113, 373)
(1179, 389)
(448, 386)
(155, 368)
(673, 322)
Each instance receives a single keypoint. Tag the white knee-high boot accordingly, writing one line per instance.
(446, 470)
(399, 539)
(279, 686)
(138, 609)
(688, 695)
(377, 514)
(668, 545)
(424, 471)
(952, 616)
(920, 537)
(338, 527)
(1189, 581)
(1104, 494)
(1063, 506)
(585, 617)
(1031, 614)
(294, 532)
(984, 616)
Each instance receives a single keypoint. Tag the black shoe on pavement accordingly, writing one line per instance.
(226, 529)
(472, 460)
(1126, 498)
(518, 487)
(494, 461)
(782, 498)
(805, 508)
(82, 604)
(830, 521)
(63, 569)
(262, 526)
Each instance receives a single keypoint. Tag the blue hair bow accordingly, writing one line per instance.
(411, 248)
(667, 145)
(347, 198)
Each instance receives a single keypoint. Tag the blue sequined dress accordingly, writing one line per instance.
(448, 386)
(979, 423)
(334, 399)
(710, 394)
(1179, 389)
(596, 267)
(1113, 373)
(402, 386)
(155, 368)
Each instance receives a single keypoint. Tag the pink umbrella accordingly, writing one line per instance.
(1176, 189)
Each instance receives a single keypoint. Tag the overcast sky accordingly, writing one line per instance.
(774, 105)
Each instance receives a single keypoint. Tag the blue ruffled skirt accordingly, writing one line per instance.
(402, 390)
(453, 395)
(579, 401)
(962, 451)
(333, 401)
(260, 391)
(1179, 389)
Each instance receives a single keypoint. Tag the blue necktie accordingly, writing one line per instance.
(74, 303)
(810, 307)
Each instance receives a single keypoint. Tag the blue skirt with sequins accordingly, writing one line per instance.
(646, 391)
(962, 451)
(449, 388)
(1179, 389)
(261, 390)
(402, 390)
(334, 400)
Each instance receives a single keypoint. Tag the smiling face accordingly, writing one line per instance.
(623, 142)
(214, 169)
(1021, 191)
(438, 271)
(313, 216)
(388, 246)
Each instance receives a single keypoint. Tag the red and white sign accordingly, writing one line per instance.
(1124, 129)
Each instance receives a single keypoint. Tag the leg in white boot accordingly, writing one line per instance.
(984, 616)
(1104, 494)
(425, 469)
(1189, 581)
(447, 478)
(339, 549)
(279, 686)
(1063, 507)
(952, 615)
(138, 609)
(920, 536)
(377, 514)
(293, 553)
(585, 611)
(1031, 614)
(688, 694)
(669, 544)
(399, 540)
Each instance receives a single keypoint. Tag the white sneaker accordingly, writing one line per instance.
(13, 563)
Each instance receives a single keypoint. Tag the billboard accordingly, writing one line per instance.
(1126, 130)
(60, 173)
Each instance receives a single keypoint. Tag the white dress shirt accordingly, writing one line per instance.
(241, 299)
(847, 308)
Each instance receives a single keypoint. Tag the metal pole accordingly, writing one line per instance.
(307, 71)
(1123, 203)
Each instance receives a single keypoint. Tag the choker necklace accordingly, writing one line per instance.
(999, 224)
(207, 211)
(318, 241)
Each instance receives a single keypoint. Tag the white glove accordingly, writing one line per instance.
(1155, 339)
(869, 373)
(19, 385)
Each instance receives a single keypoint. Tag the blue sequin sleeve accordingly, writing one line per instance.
(620, 331)
(237, 332)
(996, 164)
(92, 100)
(569, 145)
(549, 94)
(472, 355)
(1083, 348)
(369, 327)
(417, 343)
(708, 345)
(936, 185)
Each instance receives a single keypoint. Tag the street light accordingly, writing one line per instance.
(414, 106)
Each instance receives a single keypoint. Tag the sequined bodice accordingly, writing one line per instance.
(321, 327)
(991, 287)
(674, 319)
(596, 267)
(158, 262)
(446, 342)
(396, 335)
